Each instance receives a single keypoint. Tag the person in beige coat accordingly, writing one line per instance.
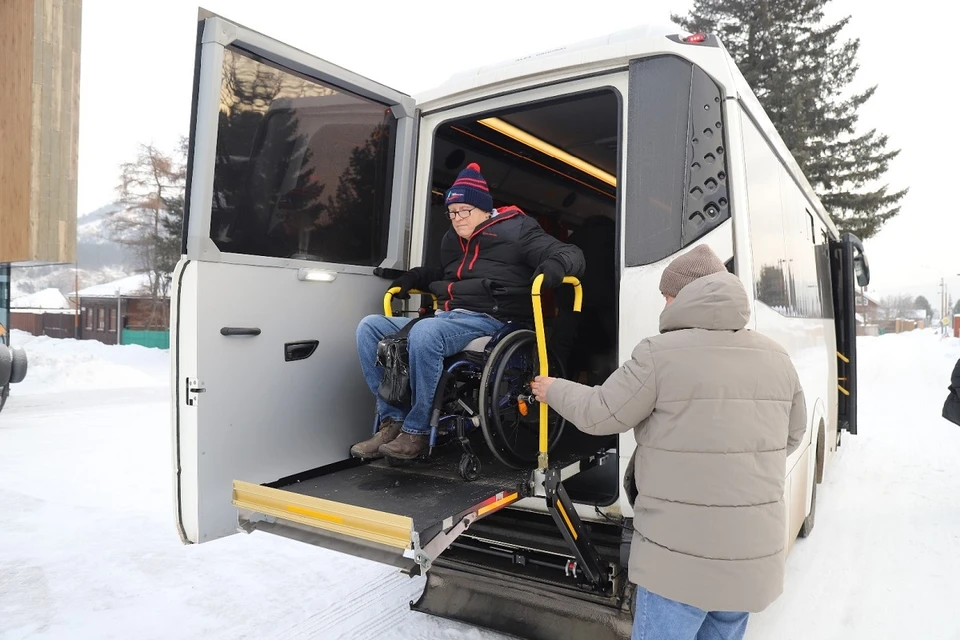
(715, 410)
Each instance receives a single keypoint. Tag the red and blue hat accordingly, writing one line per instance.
(470, 188)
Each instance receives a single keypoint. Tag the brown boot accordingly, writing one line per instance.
(406, 447)
(369, 449)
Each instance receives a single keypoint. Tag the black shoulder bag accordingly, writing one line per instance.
(394, 358)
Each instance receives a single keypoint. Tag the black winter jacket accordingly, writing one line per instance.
(491, 272)
(951, 408)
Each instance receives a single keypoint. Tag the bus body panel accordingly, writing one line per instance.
(240, 411)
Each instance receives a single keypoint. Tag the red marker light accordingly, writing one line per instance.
(696, 38)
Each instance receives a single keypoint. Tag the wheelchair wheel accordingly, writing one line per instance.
(509, 419)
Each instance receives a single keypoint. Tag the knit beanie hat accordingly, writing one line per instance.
(699, 262)
(470, 188)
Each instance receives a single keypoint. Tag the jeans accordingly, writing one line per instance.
(429, 342)
(658, 618)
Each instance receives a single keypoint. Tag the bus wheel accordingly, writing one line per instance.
(811, 519)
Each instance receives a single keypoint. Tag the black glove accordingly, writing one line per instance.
(553, 274)
(406, 282)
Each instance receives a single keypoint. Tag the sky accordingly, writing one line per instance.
(137, 70)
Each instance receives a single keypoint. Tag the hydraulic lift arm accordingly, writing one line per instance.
(576, 535)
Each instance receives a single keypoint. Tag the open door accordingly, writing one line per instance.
(299, 186)
(850, 269)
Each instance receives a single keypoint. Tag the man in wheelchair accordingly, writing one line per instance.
(488, 260)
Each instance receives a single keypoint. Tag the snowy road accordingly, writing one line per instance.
(88, 547)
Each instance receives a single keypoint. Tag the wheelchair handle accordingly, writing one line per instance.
(388, 299)
(542, 459)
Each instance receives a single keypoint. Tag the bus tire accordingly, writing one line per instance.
(807, 528)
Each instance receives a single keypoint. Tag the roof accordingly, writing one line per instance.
(130, 287)
(45, 299)
(594, 54)
(608, 53)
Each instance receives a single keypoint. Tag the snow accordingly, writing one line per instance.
(88, 547)
(55, 365)
(45, 299)
(131, 285)
(93, 226)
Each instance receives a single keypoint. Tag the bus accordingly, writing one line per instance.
(308, 185)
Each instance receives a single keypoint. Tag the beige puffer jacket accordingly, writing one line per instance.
(715, 409)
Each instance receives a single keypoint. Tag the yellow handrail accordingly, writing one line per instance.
(388, 298)
(542, 460)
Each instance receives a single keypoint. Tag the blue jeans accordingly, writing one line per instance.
(658, 618)
(429, 342)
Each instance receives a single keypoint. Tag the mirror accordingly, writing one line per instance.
(861, 267)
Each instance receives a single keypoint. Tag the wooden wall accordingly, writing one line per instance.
(39, 126)
(16, 82)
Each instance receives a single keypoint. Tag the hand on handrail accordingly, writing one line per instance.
(542, 459)
(577, 289)
(388, 299)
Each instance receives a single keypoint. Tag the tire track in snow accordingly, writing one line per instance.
(390, 616)
(359, 603)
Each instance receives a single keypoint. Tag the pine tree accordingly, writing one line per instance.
(800, 71)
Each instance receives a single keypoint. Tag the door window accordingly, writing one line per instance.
(304, 169)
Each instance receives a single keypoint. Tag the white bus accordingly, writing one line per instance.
(308, 184)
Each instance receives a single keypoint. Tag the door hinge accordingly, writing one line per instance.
(194, 389)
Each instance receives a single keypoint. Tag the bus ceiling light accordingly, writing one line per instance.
(696, 38)
(316, 275)
(542, 146)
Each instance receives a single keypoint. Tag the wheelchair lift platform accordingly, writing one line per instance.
(408, 515)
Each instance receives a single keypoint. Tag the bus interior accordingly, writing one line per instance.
(558, 161)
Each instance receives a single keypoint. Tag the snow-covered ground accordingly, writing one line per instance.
(56, 365)
(88, 547)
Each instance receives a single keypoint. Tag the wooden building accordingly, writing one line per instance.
(123, 312)
(39, 108)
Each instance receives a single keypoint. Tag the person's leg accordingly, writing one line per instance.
(659, 618)
(724, 625)
(369, 333)
(431, 341)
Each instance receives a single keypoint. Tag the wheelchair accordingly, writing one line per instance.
(486, 386)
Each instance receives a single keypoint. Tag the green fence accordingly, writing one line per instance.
(157, 339)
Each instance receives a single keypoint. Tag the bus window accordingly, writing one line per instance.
(304, 169)
(677, 193)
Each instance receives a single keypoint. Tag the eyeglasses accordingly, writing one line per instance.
(461, 213)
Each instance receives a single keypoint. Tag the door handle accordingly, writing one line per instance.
(239, 331)
(299, 350)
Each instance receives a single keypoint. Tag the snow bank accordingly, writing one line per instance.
(66, 364)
